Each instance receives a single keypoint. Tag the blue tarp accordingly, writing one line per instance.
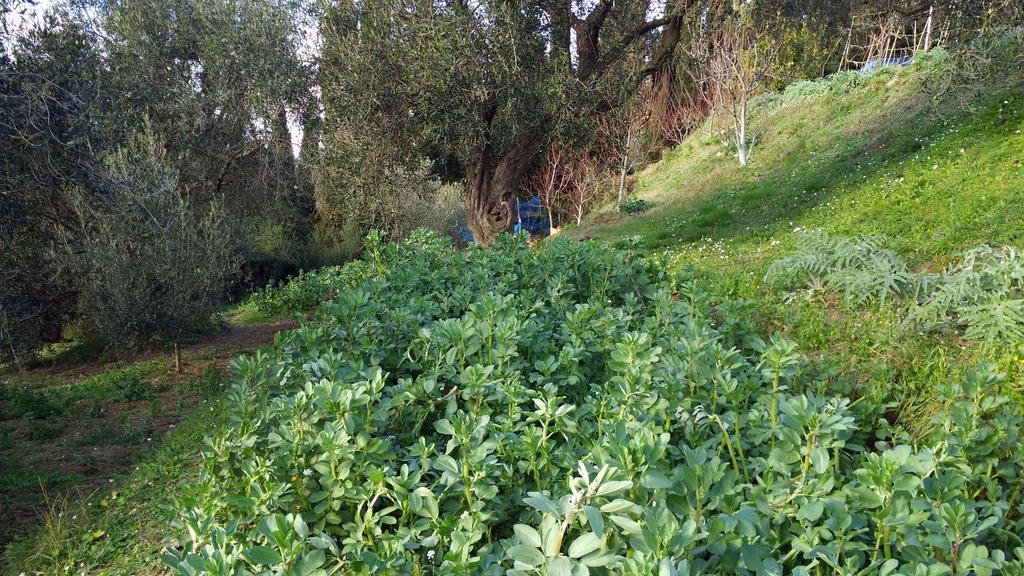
(531, 218)
(880, 62)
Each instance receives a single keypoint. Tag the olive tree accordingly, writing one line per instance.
(152, 267)
(488, 84)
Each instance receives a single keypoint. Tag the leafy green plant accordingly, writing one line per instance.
(308, 290)
(860, 268)
(575, 410)
(983, 294)
(25, 401)
(44, 429)
(634, 205)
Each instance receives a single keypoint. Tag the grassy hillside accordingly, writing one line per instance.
(933, 171)
(884, 156)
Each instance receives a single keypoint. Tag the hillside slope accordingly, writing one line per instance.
(932, 171)
(877, 154)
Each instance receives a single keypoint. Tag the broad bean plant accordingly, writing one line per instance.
(574, 410)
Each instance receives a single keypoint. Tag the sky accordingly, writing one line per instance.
(24, 14)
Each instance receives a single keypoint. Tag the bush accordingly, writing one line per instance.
(435, 206)
(983, 294)
(635, 205)
(306, 291)
(803, 89)
(35, 300)
(574, 410)
(151, 266)
(383, 194)
(301, 293)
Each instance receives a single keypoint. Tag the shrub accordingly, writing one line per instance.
(392, 197)
(35, 301)
(844, 81)
(151, 266)
(308, 290)
(437, 207)
(301, 293)
(25, 401)
(635, 205)
(573, 410)
(803, 89)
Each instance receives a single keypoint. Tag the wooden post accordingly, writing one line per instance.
(177, 358)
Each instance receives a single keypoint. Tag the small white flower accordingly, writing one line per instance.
(430, 555)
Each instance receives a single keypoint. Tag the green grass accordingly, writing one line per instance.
(31, 396)
(887, 157)
(120, 531)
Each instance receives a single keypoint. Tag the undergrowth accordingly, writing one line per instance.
(576, 410)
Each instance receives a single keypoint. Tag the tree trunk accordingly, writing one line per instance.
(624, 168)
(177, 358)
(492, 189)
(741, 134)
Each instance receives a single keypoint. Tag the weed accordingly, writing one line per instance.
(44, 429)
(984, 293)
(634, 205)
(24, 401)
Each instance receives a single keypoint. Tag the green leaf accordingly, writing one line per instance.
(627, 524)
(584, 545)
(559, 566)
(541, 503)
(526, 554)
(446, 463)
(819, 459)
(656, 480)
(811, 511)
(310, 563)
(263, 555)
(906, 483)
(443, 426)
(614, 506)
(613, 487)
(598, 558)
(528, 535)
(888, 567)
(427, 502)
(595, 520)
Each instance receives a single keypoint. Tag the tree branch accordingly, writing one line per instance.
(666, 45)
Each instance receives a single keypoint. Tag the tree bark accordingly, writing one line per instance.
(492, 188)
